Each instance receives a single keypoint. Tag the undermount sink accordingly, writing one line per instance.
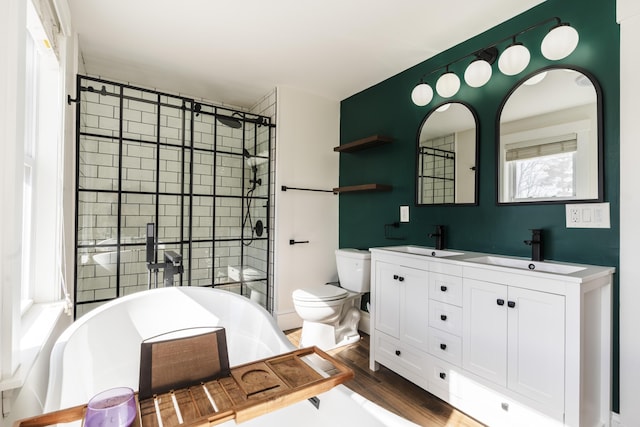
(525, 264)
(420, 250)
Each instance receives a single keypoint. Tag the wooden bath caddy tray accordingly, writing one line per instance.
(252, 389)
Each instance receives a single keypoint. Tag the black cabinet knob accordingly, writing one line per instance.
(395, 277)
(397, 352)
(443, 375)
(511, 304)
(500, 301)
(443, 288)
(401, 279)
(443, 346)
(443, 317)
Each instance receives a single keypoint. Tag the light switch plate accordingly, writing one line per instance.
(588, 215)
(404, 213)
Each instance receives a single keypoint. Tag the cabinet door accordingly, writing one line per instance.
(536, 345)
(485, 330)
(387, 299)
(414, 317)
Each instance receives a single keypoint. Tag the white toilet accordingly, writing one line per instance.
(330, 313)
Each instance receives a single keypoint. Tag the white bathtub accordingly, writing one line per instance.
(101, 350)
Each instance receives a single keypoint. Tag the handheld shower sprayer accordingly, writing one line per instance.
(251, 162)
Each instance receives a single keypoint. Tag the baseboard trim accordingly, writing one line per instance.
(615, 420)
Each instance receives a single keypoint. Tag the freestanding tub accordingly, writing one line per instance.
(101, 350)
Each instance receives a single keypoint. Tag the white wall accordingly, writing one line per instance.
(629, 19)
(308, 128)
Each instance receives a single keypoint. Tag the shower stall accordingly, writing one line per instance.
(192, 179)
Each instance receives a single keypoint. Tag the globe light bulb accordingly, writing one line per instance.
(478, 73)
(448, 85)
(422, 94)
(514, 59)
(559, 42)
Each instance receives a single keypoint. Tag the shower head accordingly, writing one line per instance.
(231, 122)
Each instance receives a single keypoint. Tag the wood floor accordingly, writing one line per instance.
(393, 392)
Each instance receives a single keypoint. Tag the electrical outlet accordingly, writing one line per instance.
(588, 215)
(574, 214)
(404, 213)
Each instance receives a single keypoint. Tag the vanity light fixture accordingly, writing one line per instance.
(514, 59)
(422, 94)
(448, 84)
(558, 43)
(478, 73)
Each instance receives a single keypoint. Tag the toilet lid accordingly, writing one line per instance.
(320, 293)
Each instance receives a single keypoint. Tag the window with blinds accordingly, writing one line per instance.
(543, 170)
(546, 149)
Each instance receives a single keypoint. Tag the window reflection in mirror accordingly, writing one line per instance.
(447, 156)
(549, 145)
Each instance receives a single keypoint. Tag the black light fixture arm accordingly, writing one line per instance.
(490, 53)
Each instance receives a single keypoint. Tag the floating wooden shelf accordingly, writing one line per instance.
(252, 389)
(362, 187)
(362, 144)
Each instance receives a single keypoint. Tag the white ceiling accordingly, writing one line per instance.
(236, 51)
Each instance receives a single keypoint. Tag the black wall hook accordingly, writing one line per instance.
(295, 242)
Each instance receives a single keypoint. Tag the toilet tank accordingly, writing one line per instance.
(354, 269)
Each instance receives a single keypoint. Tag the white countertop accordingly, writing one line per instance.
(550, 269)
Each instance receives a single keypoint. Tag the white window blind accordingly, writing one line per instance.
(567, 144)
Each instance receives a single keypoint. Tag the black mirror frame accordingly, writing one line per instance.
(599, 116)
(477, 156)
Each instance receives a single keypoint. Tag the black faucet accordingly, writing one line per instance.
(439, 235)
(536, 245)
(172, 266)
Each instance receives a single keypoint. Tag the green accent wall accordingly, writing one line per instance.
(386, 109)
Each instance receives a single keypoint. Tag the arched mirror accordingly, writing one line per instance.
(550, 139)
(447, 156)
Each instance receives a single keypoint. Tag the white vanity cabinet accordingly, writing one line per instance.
(515, 338)
(401, 316)
(508, 346)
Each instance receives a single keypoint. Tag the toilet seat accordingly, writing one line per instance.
(320, 294)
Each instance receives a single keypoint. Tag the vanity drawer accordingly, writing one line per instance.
(445, 317)
(445, 346)
(401, 358)
(442, 379)
(445, 288)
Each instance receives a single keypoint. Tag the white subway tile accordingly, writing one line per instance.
(106, 123)
(141, 128)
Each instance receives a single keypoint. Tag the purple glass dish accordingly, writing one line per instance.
(115, 407)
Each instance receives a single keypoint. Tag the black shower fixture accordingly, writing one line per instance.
(235, 123)
(102, 91)
(230, 121)
(197, 107)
